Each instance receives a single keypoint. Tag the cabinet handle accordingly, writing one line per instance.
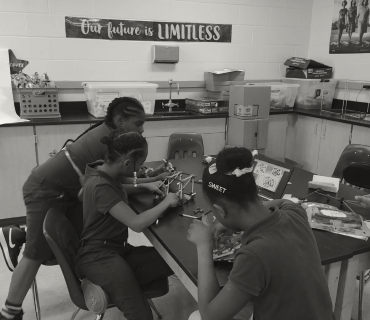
(324, 133)
(316, 128)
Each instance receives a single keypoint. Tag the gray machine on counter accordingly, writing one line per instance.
(249, 110)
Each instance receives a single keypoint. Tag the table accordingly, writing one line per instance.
(342, 257)
(342, 274)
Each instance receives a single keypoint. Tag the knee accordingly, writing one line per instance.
(195, 316)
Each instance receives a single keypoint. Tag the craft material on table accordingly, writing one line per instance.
(330, 218)
(227, 247)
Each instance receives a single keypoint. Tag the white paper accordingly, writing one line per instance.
(330, 180)
(226, 71)
(7, 110)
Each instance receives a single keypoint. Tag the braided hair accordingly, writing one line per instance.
(120, 142)
(125, 106)
(221, 184)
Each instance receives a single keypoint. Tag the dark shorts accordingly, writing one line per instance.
(122, 272)
(39, 196)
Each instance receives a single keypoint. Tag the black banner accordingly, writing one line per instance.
(146, 30)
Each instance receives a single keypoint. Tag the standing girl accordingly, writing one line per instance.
(277, 268)
(105, 258)
(56, 183)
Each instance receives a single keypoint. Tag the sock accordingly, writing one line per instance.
(10, 310)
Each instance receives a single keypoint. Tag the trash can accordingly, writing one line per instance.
(293, 163)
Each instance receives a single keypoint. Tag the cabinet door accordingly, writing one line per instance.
(360, 135)
(307, 140)
(50, 138)
(335, 136)
(276, 136)
(18, 158)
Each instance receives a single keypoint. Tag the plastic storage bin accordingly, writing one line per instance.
(282, 94)
(313, 94)
(100, 94)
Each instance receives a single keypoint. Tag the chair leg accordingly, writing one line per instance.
(36, 300)
(360, 294)
(99, 316)
(152, 305)
(75, 313)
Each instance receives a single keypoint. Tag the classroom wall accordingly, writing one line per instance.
(265, 33)
(345, 66)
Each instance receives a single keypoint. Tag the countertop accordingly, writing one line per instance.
(76, 113)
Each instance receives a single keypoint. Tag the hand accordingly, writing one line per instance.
(154, 187)
(218, 230)
(172, 199)
(200, 234)
(364, 201)
(162, 176)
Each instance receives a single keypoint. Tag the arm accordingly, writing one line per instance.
(143, 187)
(160, 177)
(123, 213)
(277, 203)
(213, 303)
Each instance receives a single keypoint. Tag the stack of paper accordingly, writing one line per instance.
(325, 183)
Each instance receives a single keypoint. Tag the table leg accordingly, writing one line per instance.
(183, 277)
(346, 288)
(332, 272)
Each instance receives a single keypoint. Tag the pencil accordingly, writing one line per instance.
(188, 216)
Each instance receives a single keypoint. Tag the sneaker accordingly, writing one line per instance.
(95, 298)
(11, 241)
(18, 316)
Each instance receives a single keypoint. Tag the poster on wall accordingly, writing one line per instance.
(134, 30)
(350, 28)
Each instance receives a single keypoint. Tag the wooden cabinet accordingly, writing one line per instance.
(360, 135)
(50, 138)
(277, 136)
(335, 136)
(307, 142)
(158, 133)
(18, 158)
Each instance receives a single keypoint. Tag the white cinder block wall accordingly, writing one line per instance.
(265, 34)
(345, 66)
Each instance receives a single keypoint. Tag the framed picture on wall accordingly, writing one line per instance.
(350, 28)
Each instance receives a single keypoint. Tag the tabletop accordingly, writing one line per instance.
(171, 230)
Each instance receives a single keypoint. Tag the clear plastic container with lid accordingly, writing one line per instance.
(282, 94)
(314, 93)
(100, 94)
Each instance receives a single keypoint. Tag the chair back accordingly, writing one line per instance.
(185, 145)
(64, 242)
(352, 153)
(357, 174)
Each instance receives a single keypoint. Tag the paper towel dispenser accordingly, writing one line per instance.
(165, 54)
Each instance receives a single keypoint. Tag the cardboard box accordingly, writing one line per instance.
(202, 102)
(224, 75)
(249, 101)
(307, 69)
(210, 86)
(251, 134)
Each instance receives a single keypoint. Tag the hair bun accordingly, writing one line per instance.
(231, 158)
